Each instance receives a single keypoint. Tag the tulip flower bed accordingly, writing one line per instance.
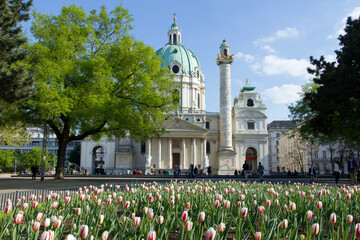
(188, 210)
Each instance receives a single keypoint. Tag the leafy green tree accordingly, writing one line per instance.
(7, 159)
(332, 111)
(93, 79)
(15, 82)
(27, 159)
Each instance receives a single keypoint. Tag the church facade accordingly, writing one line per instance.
(223, 140)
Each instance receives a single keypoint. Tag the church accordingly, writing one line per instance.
(223, 140)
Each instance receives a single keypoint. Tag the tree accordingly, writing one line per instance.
(7, 159)
(334, 108)
(27, 159)
(93, 79)
(15, 82)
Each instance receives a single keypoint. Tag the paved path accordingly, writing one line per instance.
(13, 184)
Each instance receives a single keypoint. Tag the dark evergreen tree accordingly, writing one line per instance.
(15, 81)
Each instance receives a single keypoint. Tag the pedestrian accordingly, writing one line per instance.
(245, 169)
(34, 170)
(337, 169)
(180, 169)
(196, 172)
(209, 171)
(235, 173)
(312, 173)
(175, 171)
(352, 168)
(261, 172)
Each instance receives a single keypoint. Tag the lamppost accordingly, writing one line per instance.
(44, 152)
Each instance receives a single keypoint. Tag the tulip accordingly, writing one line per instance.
(187, 205)
(8, 202)
(221, 227)
(184, 216)
(84, 231)
(244, 212)
(137, 221)
(36, 226)
(98, 202)
(357, 231)
(284, 223)
(127, 204)
(319, 205)
(315, 228)
(160, 220)
(276, 202)
(47, 235)
(108, 201)
(101, 219)
(333, 218)
(18, 218)
(104, 235)
(145, 210)
(54, 205)
(8, 208)
(201, 217)
(292, 206)
(67, 200)
(260, 210)
(349, 218)
(227, 204)
(78, 211)
(188, 226)
(268, 203)
(151, 235)
(70, 237)
(25, 206)
(210, 234)
(150, 214)
(258, 236)
(57, 223)
(216, 204)
(309, 214)
(53, 219)
(47, 222)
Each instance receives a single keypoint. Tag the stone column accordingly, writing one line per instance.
(159, 153)
(170, 153)
(183, 150)
(148, 157)
(194, 151)
(204, 146)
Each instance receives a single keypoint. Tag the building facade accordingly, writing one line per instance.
(193, 136)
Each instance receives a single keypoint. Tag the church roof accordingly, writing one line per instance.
(224, 44)
(247, 87)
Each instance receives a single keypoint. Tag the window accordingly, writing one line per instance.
(225, 52)
(277, 134)
(143, 148)
(207, 125)
(251, 125)
(174, 37)
(169, 38)
(324, 154)
(250, 103)
(207, 148)
(277, 142)
(175, 69)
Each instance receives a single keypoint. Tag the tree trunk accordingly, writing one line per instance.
(61, 160)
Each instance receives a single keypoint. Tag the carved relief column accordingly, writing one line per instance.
(159, 152)
(183, 150)
(170, 153)
(194, 151)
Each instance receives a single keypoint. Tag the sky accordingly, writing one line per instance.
(271, 40)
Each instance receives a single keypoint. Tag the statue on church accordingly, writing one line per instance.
(205, 161)
(148, 161)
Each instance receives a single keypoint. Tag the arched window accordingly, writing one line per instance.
(225, 52)
(250, 103)
(207, 148)
(174, 36)
(170, 38)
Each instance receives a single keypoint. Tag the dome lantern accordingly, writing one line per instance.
(174, 34)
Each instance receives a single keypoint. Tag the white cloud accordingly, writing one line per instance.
(273, 65)
(268, 49)
(247, 57)
(354, 14)
(330, 58)
(288, 32)
(285, 94)
(256, 66)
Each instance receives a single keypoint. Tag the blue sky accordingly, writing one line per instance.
(271, 40)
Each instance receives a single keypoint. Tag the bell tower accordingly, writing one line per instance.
(226, 154)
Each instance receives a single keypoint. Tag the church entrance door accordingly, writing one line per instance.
(251, 158)
(176, 159)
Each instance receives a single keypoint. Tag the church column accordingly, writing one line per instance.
(194, 151)
(159, 153)
(183, 151)
(204, 146)
(148, 147)
(170, 153)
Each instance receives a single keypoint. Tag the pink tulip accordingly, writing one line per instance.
(98, 202)
(78, 211)
(268, 203)
(201, 217)
(227, 204)
(47, 222)
(53, 219)
(242, 197)
(311, 197)
(18, 218)
(137, 221)
(187, 205)
(120, 199)
(8, 202)
(210, 234)
(319, 205)
(188, 226)
(160, 220)
(216, 204)
(127, 204)
(276, 202)
(108, 201)
(8, 208)
(349, 218)
(150, 214)
(309, 214)
(47, 235)
(151, 199)
(357, 231)
(244, 212)
(315, 228)
(70, 237)
(36, 226)
(258, 236)
(260, 210)
(25, 206)
(221, 227)
(292, 206)
(333, 218)
(84, 231)
(34, 204)
(39, 217)
(101, 219)
(57, 223)
(184, 216)
(284, 224)
(54, 205)
(151, 235)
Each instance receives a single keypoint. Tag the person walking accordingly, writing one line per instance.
(352, 168)
(261, 172)
(337, 169)
(312, 173)
(196, 172)
(34, 170)
(209, 171)
(245, 169)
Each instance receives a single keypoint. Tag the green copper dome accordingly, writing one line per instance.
(224, 44)
(179, 53)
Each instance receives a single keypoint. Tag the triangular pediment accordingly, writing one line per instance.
(181, 125)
